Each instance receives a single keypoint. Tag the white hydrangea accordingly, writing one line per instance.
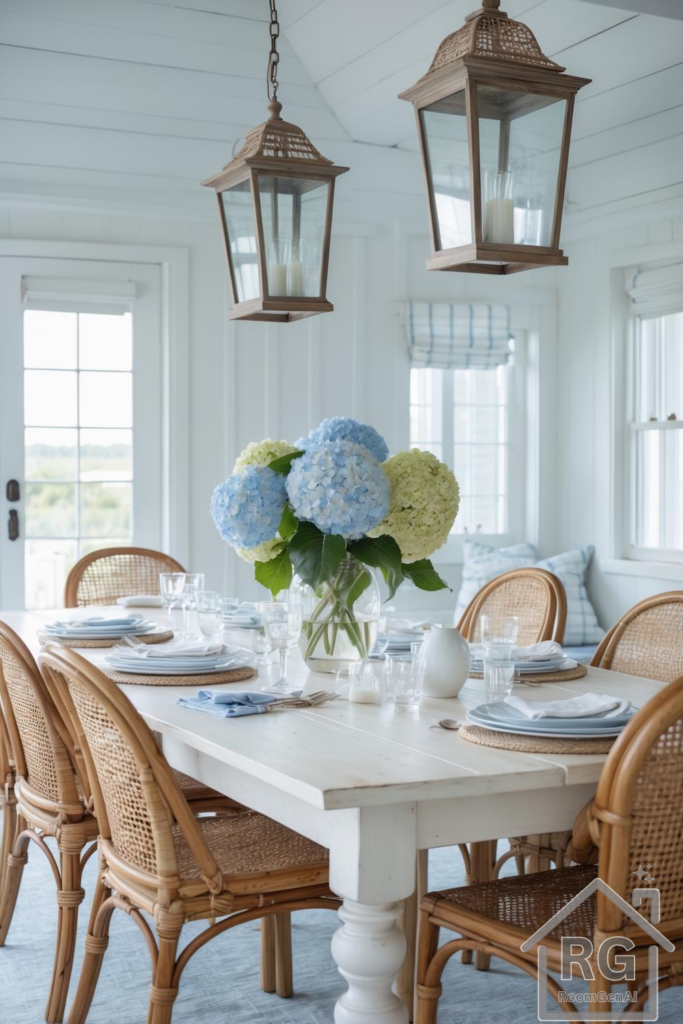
(424, 503)
(262, 453)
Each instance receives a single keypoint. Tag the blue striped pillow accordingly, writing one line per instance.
(482, 563)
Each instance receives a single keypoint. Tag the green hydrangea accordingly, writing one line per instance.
(424, 503)
(262, 453)
(261, 552)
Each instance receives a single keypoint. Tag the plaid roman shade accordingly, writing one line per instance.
(456, 336)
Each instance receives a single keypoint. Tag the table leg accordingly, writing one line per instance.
(369, 949)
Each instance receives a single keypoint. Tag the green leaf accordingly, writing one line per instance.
(315, 555)
(276, 574)
(382, 553)
(288, 524)
(359, 587)
(424, 575)
(284, 463)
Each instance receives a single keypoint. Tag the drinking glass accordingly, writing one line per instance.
(499, 635)
(261, 646)
(194, 583)
(403, 678)
(499, 629)
(209, 613)
(282, 624)
(171, 585)
(364, 685)
(228, 606)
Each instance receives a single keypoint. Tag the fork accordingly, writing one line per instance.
(127, 641)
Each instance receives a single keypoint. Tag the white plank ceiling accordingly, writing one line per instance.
(147, 97)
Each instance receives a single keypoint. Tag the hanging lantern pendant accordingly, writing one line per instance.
(494, 119)
(275, 200)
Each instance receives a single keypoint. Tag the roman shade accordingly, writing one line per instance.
(457, 336)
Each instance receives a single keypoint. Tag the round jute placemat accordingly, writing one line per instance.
(147, 638)
(534, 744)
(233, 675)
(546, 677)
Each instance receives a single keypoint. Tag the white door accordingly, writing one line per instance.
(80, 418)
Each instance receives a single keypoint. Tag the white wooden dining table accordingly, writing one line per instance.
(373, 785)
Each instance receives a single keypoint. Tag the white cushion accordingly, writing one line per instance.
(483, 563)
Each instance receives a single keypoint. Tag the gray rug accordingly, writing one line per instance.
(220, 985)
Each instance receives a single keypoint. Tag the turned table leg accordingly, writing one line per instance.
(369, 950)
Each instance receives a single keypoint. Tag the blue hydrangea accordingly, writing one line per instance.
(247, 508)
(340, 487)
(342, 428)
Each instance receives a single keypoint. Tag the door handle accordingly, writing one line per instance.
(12, 490)
(13, 525)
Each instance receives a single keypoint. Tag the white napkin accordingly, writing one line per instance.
(182, 649)
(539, 652)
(577, 707)
(142, 601)
(403, 625)
(96, 622)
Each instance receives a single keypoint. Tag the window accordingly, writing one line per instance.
(463, 417)
(78, 442)
(657, 436)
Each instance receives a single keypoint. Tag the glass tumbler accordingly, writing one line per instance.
(209, 612)
(403, 679)
(499, 670)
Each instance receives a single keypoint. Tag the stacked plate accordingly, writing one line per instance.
(97, 627)
(553, 663)
(245, 616)
(500, 717)
(395, 644)
(179, 659)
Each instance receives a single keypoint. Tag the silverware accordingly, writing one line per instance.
(448, 723)
(313, 699)
(127, 641)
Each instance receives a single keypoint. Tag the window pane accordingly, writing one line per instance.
(105, 341)
(95, 543)
(106, 510)
(46, 566)
(106, 454)
(462, 467)
(106, 399)
(49, 339)
(659, 520)
(50, 510)
(445, 128)
(50, 398)
(49, 454)
(426, 386)
(485, 470)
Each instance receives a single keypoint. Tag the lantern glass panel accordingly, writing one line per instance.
(444, 128)
(520, 145)
(293, 211)
(238, 208)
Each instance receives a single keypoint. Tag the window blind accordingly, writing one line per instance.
(657, 292)
(77, 294)
(456, 336)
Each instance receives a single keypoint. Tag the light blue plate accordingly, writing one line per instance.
(501, 716)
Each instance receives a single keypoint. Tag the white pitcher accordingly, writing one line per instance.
(446, 662)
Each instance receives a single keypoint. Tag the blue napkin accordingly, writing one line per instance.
(98, 622)
(228, 705)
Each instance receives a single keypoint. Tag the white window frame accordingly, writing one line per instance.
(634, 428)
(173, 264)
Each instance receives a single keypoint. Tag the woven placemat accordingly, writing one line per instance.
(233, 675)
(534, 744)
(546, 677)
(147, 638)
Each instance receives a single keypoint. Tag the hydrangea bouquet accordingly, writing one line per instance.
(329, 507)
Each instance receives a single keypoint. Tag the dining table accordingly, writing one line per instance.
(377, 787)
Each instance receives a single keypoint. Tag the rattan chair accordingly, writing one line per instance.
(47, 794)
(535, 596)
(156, 857)
(635, 819)
(103, 576)
(647, 640)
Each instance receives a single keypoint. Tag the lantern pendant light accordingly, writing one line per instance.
(275, 202)
(494, 119)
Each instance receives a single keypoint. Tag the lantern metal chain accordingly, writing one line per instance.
(272, 83)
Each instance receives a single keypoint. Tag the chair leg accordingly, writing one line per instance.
(16, 861)
(96, 942)
(268, 954)
(9, 826)
(405, 983)
(284, 984)
(520, 862)
(69, 898)
(163, 995)
(481, 857)
(427, 945)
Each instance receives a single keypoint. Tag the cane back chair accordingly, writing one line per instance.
(109, 573)
(647, 640)
(155, 856)
(635, 819)
(8, 800)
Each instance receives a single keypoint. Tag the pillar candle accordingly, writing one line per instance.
(277, 279)
(499, 224)
(296, 278)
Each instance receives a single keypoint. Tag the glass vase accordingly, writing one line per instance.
(340, 617)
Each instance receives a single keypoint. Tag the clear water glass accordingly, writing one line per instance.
(364, 685)
(171, 586)
(261, 646)
(209, 613)
(499, 629)
(403, 676)
(499, 670)
(229, 605)
(282, 623)
(194, 583)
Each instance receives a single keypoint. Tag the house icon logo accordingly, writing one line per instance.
(612, 960)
